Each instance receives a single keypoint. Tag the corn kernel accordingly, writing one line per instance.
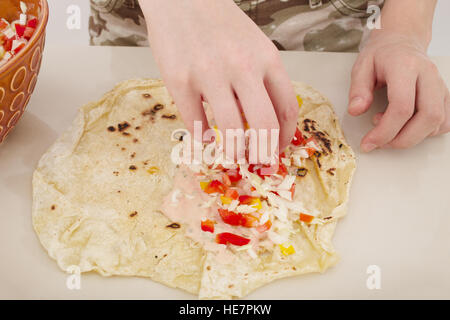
(256, 203)
(204, 184)
(300, 101)
(225, 200)
(287, 249)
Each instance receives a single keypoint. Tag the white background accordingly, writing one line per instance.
(59, 33)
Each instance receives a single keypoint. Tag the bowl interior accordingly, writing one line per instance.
(10, 9)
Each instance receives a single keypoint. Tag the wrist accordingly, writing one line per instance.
(412, 19)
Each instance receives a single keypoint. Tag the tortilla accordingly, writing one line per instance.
(97, 195)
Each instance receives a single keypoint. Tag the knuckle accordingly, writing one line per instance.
(272, 58)
(432, 67)
(289, 113)
(434, 116)
(404, 111)
(410, 62)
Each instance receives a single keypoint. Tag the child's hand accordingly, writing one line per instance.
(211, 50)
(419, 101)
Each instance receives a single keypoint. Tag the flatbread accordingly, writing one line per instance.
(97, 194)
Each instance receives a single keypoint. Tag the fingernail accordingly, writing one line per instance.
(367, 147)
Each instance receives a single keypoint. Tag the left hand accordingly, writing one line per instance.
(419, 100)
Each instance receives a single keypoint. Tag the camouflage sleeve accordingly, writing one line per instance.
(309, 25)
(117, 23)
(312, 25)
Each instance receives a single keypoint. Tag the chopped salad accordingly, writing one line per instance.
(14, 35)
(249, 209)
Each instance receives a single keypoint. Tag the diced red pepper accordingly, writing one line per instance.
(298, 139)
(245, 199)
(20, 29)
(28, 33)
(215, 186)
(292, 190)
(248, 221)
(310, 151)
(8, 44)
(282, 170)
(230, 217)
(264, 227)
(19, 47)
(208, 226)
(226, 237)
(32, 23)
(232, 193)
(306, 218)
(234, 175)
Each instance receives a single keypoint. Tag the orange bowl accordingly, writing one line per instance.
(19, 75)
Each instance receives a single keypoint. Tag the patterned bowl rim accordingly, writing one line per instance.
(40, 29)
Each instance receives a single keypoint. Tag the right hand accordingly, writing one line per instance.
(211, 51)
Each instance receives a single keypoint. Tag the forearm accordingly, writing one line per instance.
(413, 18)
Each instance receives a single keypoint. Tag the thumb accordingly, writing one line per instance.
(362, 86)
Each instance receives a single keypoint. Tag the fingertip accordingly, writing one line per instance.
(358, 105)
(368, 144)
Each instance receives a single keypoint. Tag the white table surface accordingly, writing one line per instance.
(399, 210)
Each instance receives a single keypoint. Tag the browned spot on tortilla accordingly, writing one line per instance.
(133, 167)
(169, 116)
(123, 148)
(208, 268)
(294, 268)
(301, 172)
(158, 107)
(118, 191)
(322, 138)
(111, 129)
(340, 146)
(133, 155)
(318, 163)
(147, 95)
(125, 133)
(53, 207)
(309, 125)
(173, 225)
(135, 140)
(133, 214)
(116, 173)
(327, 218)
(165, 255)
(331, 171)
(230, 286)
(138, 128)
(123, 126)
(147, 112)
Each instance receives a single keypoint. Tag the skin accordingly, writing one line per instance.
(201, 59)
(395, 56)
